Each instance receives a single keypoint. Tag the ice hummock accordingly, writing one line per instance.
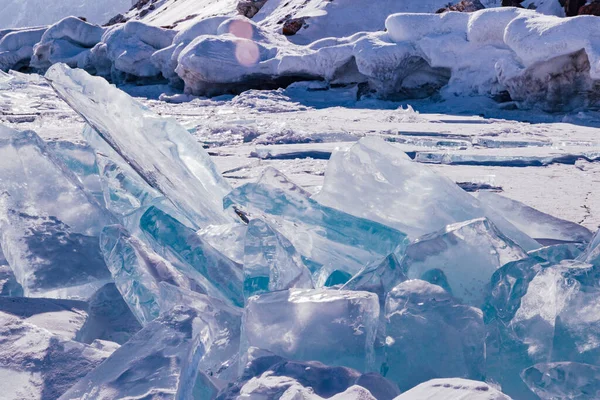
(335, 327)
(160, 150)
(324, 236)
(161, 360)
(375, 180)
(430, 335)
(271, 262)
(49, 224)
(461, 258)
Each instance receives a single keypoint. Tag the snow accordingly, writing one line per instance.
(453, 389)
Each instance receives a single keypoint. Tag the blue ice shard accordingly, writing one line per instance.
(375, 180)
(431, 335)
(171, 237)
(160, 150)
(220, 325)
(160, 361)
(461, 258)
(49, 225)
(335, 327)
(324, 236)
(563, 380)
(271, 262)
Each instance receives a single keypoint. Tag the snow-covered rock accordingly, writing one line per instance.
(70, 41)
(16, 48)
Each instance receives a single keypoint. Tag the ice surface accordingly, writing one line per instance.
(556, 253)
(49, 224)
(271, 262)
(228, 239)
(461, 258)
(37, 364)
(563, 380)
(8, 283)
(453, 389)
(158, 361)
(375, 180)
(335, 327)
(538, 225)
(223, 277)
(325, 236)
(431, 335)
(160, 150)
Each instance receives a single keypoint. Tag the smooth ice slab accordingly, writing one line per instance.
(325, 237)
(49, 225)
(543, 227)
(563, 380)
(160, 360)
(453, 389)
(335, 327)
(461, 258)
(160, 150)
(175, 239)
(430, 335)
(271, 262)
(375, 180)
(37, 364)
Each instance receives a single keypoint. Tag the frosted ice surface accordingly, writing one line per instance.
(430, 335)
(49, 224)
(335, 327)
(158, 360)
(160, 150)
(453, 389)
(37, 364)
(171, 237)
(271, 262)
(324, 236)
(563, 380)
(8, 283)
(375, 180)
(534, 223)
(463, 257)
